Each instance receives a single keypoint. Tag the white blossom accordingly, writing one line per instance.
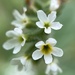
(54, 5)
(53, 69)
(47, 22)
(17, 40)
(22, 62)
(47, 49)
(20, 20)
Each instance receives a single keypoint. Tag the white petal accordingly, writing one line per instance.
(10, 44)
(54, 67)
(42, 16)
(48, 58)
(10, 33)
(39, 44)
(17, 24)
(23, 60)
(52, 16)
(51, 41)
(24, 9)
(24, 40)
(39, 24)
(56, 25)
(17, 15)
(37, 55)
(24, 17)
(15, 61)
(20, 67)
(17, 49)
(59, 69)
(47, 30)
(18, 30)
(57, 52)
(48, 69)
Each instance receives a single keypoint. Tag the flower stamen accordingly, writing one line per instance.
(21, 39)
(46, 49)
(46, 24)
(24, 21)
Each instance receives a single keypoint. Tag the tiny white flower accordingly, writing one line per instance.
(17, 40)
(47, 49)
(53, 69)
(22, 62)
(47, 22)
(54, 5)
(21, 20)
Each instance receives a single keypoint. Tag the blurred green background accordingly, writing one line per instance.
(65, 37)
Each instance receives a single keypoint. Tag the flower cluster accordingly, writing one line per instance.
(37, 37)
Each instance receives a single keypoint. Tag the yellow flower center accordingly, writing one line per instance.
(46, 24)
(46, 49)
(24, 21)
(21, 39)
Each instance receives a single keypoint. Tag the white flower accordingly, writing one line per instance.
(21, 20)
(53, 69)
(47, 22)
(23, 63)
(17, 40)
(20, 62)
(54, 4)
(47, 49)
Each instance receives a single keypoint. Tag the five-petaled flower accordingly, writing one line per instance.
(48, 22)
(47, 49)
(53, 68)
(17, 40)
(21, 20)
